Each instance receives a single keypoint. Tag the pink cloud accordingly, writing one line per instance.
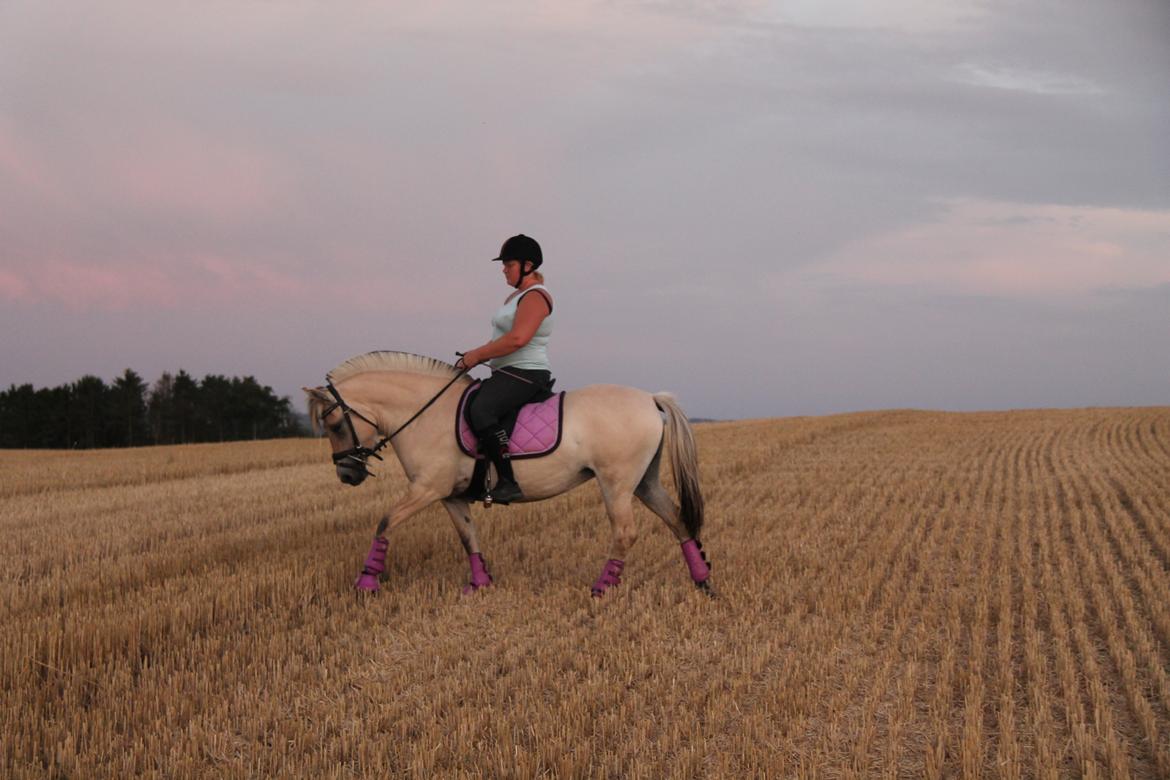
(80, 286)
(25, 170)
(12, 286)
(73, 239)
(1019, 250)
(230, 279)
(203, 280)
(175, 169)
(150, 166)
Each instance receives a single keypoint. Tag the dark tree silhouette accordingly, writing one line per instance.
(87, 411)
(127, 410)
(185, 399)
(19, 416)
(161, 408)
(175, 409)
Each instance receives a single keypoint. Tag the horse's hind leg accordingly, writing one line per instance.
(460, 512)
(619, 505)
(651, 493)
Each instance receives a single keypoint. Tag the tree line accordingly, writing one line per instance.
(175, 409)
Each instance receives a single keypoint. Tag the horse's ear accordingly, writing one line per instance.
(317, 393)
(318, 400)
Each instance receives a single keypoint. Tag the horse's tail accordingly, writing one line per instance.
(684, 460)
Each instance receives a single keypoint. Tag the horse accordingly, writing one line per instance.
(611, 433)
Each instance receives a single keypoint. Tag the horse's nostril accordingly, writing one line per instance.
(350, 478)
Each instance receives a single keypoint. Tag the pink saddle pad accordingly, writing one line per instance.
(537, 431)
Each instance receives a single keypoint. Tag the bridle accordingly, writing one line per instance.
(356, 457)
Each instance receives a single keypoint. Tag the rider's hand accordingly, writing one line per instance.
(470, 359)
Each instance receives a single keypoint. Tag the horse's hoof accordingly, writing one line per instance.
(367, 583)
(706, 589)
(471, 589)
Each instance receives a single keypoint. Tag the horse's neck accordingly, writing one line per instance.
(393, 396)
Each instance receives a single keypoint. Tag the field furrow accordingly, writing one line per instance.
(1041, 716)
(902, 594)
(1101, 561)
(1142, 488)
(1054, 537)
(1136, 542)
(1114, 727)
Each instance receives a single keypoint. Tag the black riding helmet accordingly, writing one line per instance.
(524, 249)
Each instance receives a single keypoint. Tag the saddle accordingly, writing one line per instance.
(533, 430)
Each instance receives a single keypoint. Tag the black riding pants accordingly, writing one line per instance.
(501, 394)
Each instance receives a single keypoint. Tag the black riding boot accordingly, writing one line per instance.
(495, 445)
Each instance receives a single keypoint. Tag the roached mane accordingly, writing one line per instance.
(383, 360)
(386, 360)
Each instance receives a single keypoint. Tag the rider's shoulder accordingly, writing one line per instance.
(542, 291)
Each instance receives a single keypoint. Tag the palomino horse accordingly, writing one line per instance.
(616, 434)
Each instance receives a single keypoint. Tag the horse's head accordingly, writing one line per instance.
(351, 432)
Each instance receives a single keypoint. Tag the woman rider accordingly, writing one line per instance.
(518, 356)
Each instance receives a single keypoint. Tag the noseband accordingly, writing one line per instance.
(357, 455)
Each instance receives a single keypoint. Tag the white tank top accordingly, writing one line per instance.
(534, 354)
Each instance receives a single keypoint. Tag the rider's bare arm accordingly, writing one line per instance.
(529, 314)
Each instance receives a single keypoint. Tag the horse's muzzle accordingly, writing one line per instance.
(351, 476)
(352, 468)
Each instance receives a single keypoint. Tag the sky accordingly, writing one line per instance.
(767, 208)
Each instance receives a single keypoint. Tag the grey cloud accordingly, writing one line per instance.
(674, 170)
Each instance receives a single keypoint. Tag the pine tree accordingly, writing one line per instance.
(87, 406)
(127, 410)
(161, 406)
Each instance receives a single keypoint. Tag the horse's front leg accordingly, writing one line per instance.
(418, 497)
(460, 512)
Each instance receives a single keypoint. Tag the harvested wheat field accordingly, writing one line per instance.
(901, 594)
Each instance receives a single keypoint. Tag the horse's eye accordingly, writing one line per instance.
(336, 427)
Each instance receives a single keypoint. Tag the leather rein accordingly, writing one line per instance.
(358, 455)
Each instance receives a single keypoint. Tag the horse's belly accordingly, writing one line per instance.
(553, 474)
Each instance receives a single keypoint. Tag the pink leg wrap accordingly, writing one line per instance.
(480, 576)
(696, 560)
(611, 575)
(375, 565)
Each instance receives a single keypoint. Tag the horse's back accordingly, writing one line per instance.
(609, 431)
(621, 399)
(613, 412)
